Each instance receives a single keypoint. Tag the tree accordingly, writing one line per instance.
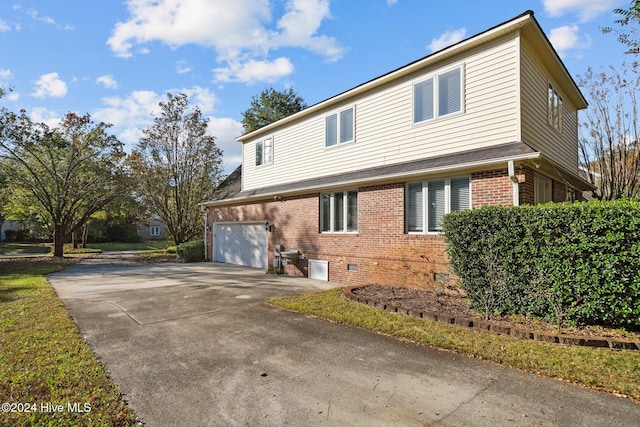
(609, 149)
(177, 165)
(270, 106)
(629, 20)
(66, 173)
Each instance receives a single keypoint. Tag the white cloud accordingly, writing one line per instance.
(4, 26)
(43, 115)
(50, 85)
(242, 30)
(253, 71)
(299, 25)
(183, 67)
(107, 81)
(46, 19)
(5, 74)
(226, 131)
(585, 9)
(447, 39)
(130, 114)
(567, 38)
(391, 2)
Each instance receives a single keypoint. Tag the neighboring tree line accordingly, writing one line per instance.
(75, 180)
(610, 133)
(67, 177)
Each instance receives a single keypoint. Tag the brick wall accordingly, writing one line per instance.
(381, 252)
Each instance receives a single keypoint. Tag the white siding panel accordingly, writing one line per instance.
(562, 147)
(384, 129)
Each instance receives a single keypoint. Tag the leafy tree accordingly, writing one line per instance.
(177, 165)
(270, 106)
(609, 149)
(629, 20)
(66, 173)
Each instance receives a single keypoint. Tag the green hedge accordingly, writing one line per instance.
(191, 251)
(575, 263)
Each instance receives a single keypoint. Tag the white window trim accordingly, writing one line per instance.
(262, 160)
(345, 212)
(337, 113)
(153, 228)
(436, 94)
(425, 201)
(540, 198)
(560, 108)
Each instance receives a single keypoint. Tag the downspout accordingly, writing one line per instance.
(516, 183)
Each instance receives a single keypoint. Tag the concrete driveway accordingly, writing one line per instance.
(193, 344)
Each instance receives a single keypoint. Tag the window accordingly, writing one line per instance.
(339, 212)
(438, 96)
(339, 128)
(264, 152)
(542, 189)
(554, 113)
(441, 196)
(154, 230)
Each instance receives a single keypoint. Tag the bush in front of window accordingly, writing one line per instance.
(570, 263)
(191, 251)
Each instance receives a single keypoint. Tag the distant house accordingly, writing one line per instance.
(11, 226)
(353, 189)
(152, 229)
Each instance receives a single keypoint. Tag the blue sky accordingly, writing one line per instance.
(117, 59)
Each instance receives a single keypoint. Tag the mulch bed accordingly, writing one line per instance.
(455, 309)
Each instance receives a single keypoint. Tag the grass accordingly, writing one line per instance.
(43, 358)
(602, 369)
(24, 248)
(44, 248)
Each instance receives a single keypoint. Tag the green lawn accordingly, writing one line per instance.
(45, 363)
(602, 369)
(24, 248)
(44, 248)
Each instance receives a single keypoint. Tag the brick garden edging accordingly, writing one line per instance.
(493, 327)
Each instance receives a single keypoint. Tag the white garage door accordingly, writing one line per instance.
(241, 243)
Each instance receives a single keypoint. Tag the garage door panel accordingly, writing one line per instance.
(242, 244)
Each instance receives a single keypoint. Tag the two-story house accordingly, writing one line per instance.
(356, 185)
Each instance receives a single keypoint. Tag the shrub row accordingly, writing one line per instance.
(574, 263)
(191, 251)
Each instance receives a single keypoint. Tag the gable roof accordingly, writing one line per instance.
(525, 23)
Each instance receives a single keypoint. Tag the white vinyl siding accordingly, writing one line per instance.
(441, 195)
(560, 147)
(384, 128)
(339, 212)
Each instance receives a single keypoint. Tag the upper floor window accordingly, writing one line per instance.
(339, 212)
(427, 202)
(264, 152)
(154, 230)
(339, 127)
(438, 95)
(554, 112)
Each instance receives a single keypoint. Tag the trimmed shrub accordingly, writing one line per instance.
(191, 251)
(576, 263)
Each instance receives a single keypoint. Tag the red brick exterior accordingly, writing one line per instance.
(381, 252)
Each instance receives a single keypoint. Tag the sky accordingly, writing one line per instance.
(116, 60)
